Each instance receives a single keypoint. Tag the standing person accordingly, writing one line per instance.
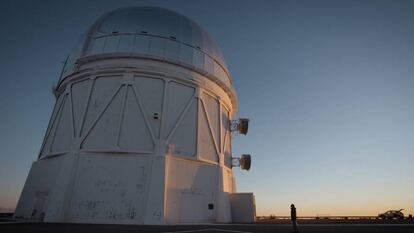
(293, 218)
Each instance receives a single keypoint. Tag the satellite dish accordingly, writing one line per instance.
(245, 162)
(243, 126)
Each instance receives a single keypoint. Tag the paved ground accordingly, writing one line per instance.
(275, 227)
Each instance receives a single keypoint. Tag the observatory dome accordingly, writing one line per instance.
(142, 128)
(154, 33)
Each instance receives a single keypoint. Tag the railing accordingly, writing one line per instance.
(265, 218)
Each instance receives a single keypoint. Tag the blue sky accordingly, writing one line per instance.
(328, 86)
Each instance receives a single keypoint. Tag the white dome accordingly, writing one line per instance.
(152, 32)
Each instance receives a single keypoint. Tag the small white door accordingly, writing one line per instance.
(194, 208)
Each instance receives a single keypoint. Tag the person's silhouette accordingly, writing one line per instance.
(293, 218)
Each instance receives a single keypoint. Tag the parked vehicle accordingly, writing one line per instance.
(392, 214)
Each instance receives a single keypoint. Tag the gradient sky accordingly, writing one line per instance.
(328, 86)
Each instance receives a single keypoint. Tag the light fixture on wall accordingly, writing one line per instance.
(244, 162)
(241, 125)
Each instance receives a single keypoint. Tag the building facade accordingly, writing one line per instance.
(140, 132)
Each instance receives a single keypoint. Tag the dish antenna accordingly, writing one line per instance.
(244, 162)
(241, 125)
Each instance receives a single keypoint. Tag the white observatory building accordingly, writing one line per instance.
(141, 130)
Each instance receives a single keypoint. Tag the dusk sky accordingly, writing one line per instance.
(328, 87)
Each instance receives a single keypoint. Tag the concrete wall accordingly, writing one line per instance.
(39, 184)
(111, 188)
(243, 207)
(191, 190)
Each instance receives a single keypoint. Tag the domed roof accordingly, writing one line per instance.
(154, 32)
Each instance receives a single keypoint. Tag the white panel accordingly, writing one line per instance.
(206, 143)
(104, 88)
(172, 49)
(110, 188)
(224, 123)
(141, 44)
(64, 130)
(186, 54)
(227, 159)
(198, 59)
(185, 177)
(243, 207)
(191, 175)
(151, 92)
(111, 44)
(227, 150)
(213, 109)
(97, 46)
(126, 43)
(226, 136)
(222, 75)
(194, 208)
(40, 205)
(178, 96)
(41, 178)
(104, 132)
(80, 92)
(185, 137)
(134, 133)
(157, 46)
(52, 125)
(227, 181)
(218, 71)
(208, 64)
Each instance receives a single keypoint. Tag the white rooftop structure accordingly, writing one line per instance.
(141, 129)
(155, 33)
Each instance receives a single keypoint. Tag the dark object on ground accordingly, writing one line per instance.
(292, 212)
(392, 214)
(410, 216)
(293, 218)
(6, 215)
